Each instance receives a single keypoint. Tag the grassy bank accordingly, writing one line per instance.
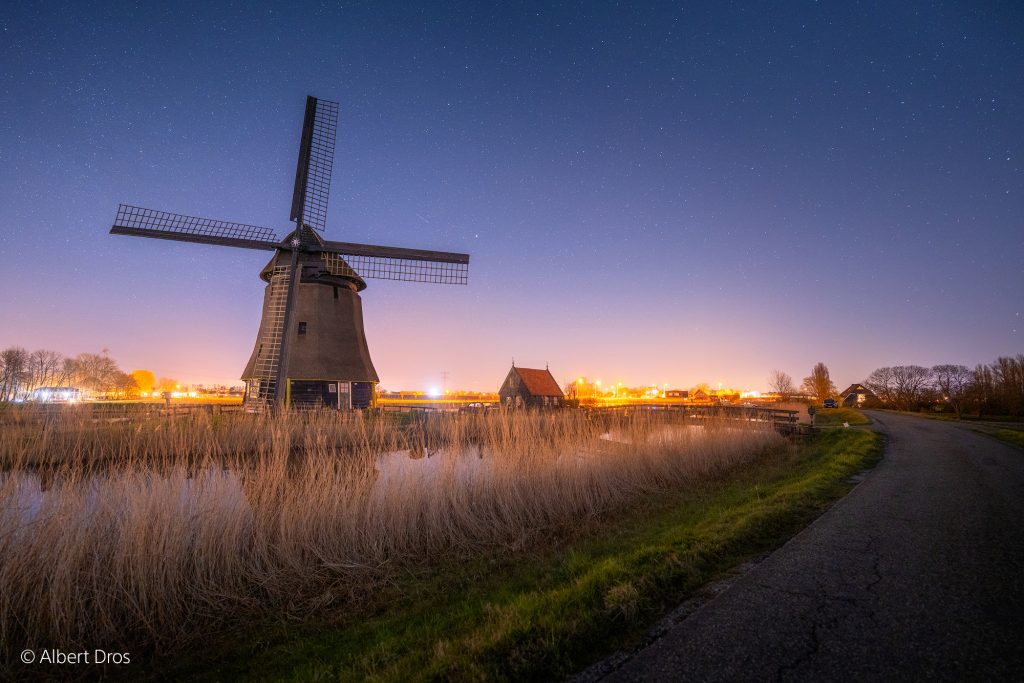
(951, 417)
(834, 417)
(550, 609)
(1010, 436)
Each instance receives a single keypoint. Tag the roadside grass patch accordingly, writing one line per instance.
(951, 417)
(1010, 436)
(829, 417)
(543, 612)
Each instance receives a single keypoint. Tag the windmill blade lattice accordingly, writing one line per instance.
(399, 263)
(406, 270)
(316, 161)
(140, 222)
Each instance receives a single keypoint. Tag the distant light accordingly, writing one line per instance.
(433, 392)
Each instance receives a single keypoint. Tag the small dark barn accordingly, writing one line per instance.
(526, 387)
(858, 395)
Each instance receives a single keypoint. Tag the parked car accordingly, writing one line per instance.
(830, 403)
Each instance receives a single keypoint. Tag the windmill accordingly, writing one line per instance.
(311, 349)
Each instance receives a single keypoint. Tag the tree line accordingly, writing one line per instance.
(817, 385)
(988, 389)
(23, 371)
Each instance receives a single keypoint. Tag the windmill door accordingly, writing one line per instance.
(344, 398)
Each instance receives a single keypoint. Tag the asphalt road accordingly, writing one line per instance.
(918, 574)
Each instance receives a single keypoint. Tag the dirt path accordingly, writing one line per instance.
(917, 574)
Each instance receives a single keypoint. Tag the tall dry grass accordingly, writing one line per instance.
(141, 535)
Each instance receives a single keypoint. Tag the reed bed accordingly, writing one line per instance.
(143, 535)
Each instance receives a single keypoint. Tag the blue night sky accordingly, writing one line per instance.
(651, 192)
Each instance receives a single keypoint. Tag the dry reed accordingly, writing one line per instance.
(134, 534)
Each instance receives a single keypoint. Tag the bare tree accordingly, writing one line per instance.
(123, 384)
(96, 372)
(13, 373)
(984, 388)
(782, 384)
(882, 385)
(1008, 384)
(67, 374)
(910, 385)
(43, 368)
(955, 382)
(819, 384)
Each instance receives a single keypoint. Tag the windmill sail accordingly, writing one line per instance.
(385, 268)
(398, 263)
(140, 222)
(315, 163)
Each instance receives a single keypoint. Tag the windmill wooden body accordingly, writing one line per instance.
(311, 348)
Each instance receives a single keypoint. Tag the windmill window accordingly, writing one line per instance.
(302, 328)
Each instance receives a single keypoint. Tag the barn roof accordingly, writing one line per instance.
(856, 389)
(538, 382)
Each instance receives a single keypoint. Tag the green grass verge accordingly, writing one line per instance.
(829, 417)
(1011, 436)
(541, 614)
(951, 417)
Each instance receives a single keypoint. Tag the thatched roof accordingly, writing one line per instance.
(857, 389)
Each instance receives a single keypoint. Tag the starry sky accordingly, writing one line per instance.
(651, 192)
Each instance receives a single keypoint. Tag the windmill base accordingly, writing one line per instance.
(302, 394)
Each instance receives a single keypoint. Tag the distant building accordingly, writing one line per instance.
(857, 395)
(530, 388)
(55, 395)
(677, 393)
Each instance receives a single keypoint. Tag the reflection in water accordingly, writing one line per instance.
(196, 494)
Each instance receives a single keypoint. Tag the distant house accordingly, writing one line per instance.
(677, 393)
(857, 395)
(700, 395)
(530, 388)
